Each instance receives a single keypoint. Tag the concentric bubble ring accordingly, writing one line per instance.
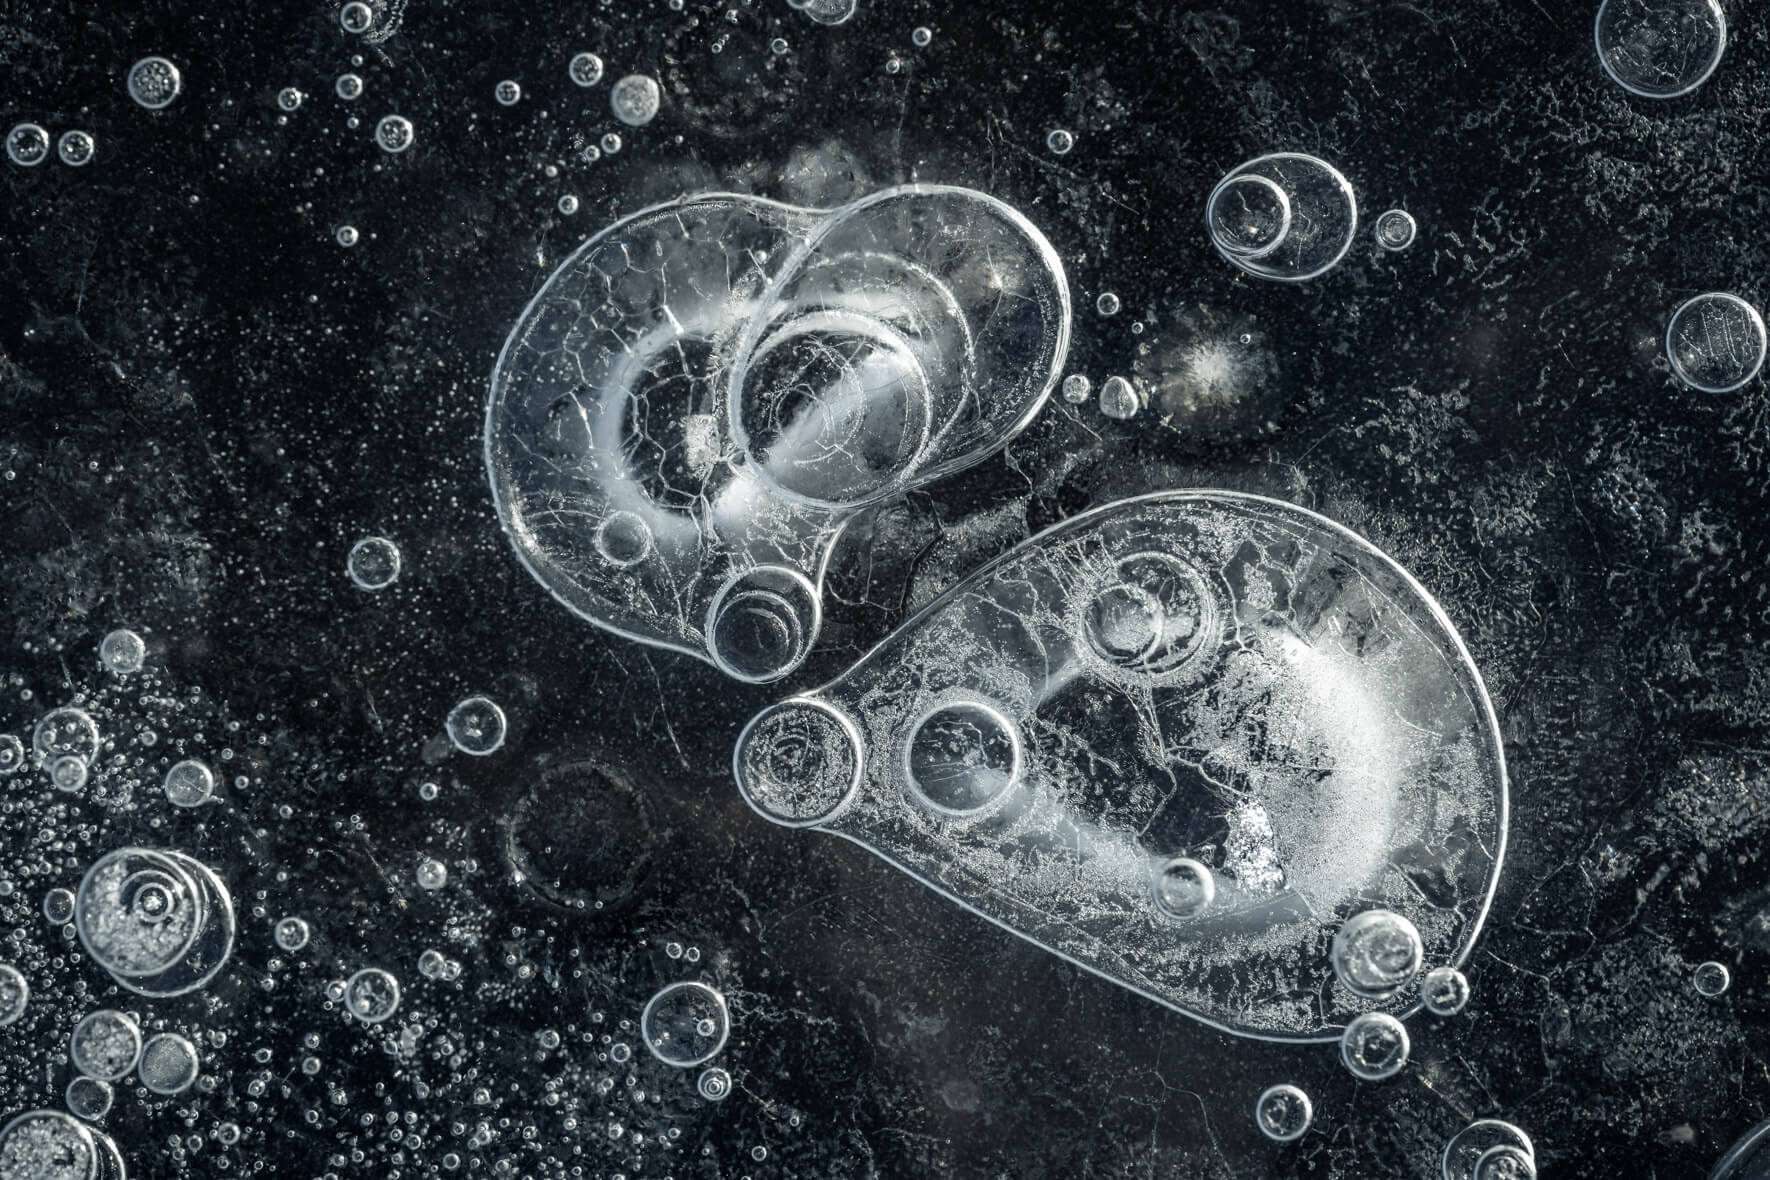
(161, 923)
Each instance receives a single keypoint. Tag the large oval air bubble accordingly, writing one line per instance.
(1183, 741)
(1287, 216)
(703, 394)
(161, 923)
(1660, 48)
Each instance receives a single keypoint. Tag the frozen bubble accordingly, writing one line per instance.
(432, 873)
(122, 651)
(568, 205)
(1716, 342)
(1711, 979)
(160, 922)
(1374, 1046)
(88, 1098)
(356, 17)
(428, 791)
(289, 99)
(48, 1145)
(1444, 991)
(1748, 1158)
(371, 995)
(1376, 953)
(431, 964)
(1183, 888)
(635, 99)
(168, 1064)
(15, 994)
(585, 69)
(347, 236)
(68, 772)
(374, 562)
(27, 145)
(508, 93)
(394, 133)
(852, 355)
(1286, 216)
(921, 36)
(64, 731)
(154, 82)
(1108, 304)
(1076, 389)
(685, 1024)
(714, 1084)
(105, 1045)
(611, 143)
(1505, 1162)
(12, 754)
(476, 726)
(829, 12)
(1660, 48)
(189, 784)
(1309, 713)
(76, 148)
(58, 906)
(1119, 399)
(1395, 229)
(1283, 1113)
(291, 934)
(349, 87)
(1059, 142)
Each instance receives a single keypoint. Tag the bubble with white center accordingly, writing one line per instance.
(154, 82)
(1660, 48)
(1395, 229)
(1716, 342)
(15, 994)
(635, 99)
(27, 145)
(1374, 1046)
(1376, 953)
(105, 1045)
(431, 873)
(122, 651)
(685, 1024)
(1283, 1112)
(374, 562)
(394, 133)
(476, 726)
(169, 1064)
(371, 995)
(1444, 991)
(76, 148)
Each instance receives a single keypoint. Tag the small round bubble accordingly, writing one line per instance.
(585, 69)
(1076, 389)
(635, 100)
(476, 726)
(349, 87)
(356, 17)
(1376, 952)
(1444, 991)
(431, 964)
(921, 36)
(122, 651)
(1283, 1113)
(611, 143)
(1059, 142)
(1711, 979)
(68, 772)
(105, 1045)
(508, 93)
(1374, 1046)
(428, 791)
(1118, 399)
(1395, 229)
(431, 873)
(568, 205)
(169, 1064)
(1716, 342)
(76, 148)
(154, 82)
(347, 237)
(1504, 1162)
(58, 906)
(374, 562)
(189, 783)
(394, 133)
(67, 730)
(371, 995)
(1108, 304)
(88, 1098)
(15, 994)
(291, 933)
(714, 1084)
(289, 99)
(1184, 888)
(12, 754)
(27, 145)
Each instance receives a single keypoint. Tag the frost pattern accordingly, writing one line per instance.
(1201, 675)
(703, 393)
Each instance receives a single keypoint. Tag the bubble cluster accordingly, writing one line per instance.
(68, 731)
(52, 1145)
(476, 726)
(154, 83)
(1716, 342)
(374, 562)
(685, 1024)
(1374, 1046)
(1283, 1113)
(122, 651)
(27, 145)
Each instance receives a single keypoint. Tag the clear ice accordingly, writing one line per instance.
(701, 396)
(1198, 676)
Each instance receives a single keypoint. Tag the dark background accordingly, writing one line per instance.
(204, 401)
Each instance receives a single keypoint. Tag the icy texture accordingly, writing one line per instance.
(1199, 674)
(702, 395)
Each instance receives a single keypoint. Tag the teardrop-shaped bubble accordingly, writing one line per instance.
(1202, 675)
(702, 395)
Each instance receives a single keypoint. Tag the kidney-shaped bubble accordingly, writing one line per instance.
(1181, 741)
(703, 393)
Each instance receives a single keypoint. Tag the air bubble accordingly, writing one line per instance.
(1285, 216)
(568, 205)
(76, 148)
(289, 99)
(27, 145)
(714, 1084)
(685, 1024)
(1119, 399)
(635, 99)
(189, 784)
(1505, 1162)
(12, 754)
(611, 143)
(1444, 991)
(58, 906)
(161, 923)
(68, 730)
(476, 726)
(154, 82)
(1059, 142)
(1716, 342)
(828, 12)
(347, 236)
(1374, 1046)
(122, 651)
(431, 874)
(374, 562)
(921, 36)
(1283, 1113)
(508, 93)
(49, 1145)
(349, 87)
(1183, 888)
(585, 69)
(1108, 304)
(1076, 389)
(15, 994)
(105, 1045)
(68, 772)
(356, 17)
(1711, 979)
(1660, 48)
(394, 133)
(88, 1098)
(1376, 953)
(1395, 229)
(291, 934)
(371, 995)
(169, 1064)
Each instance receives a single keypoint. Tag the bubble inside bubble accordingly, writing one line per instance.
(714, 1084)
(1376, 953)
(12, 754)
(685, 1024)
(76, 148)
(68, 772)
(289, 99)
(431, 873)
(798, 762)
(1249, 215)
(585, 69)
(1395, 229)
(1660, 48)
(1374, 1046)
(508, 93)
(349, 87)
(1076, 389)
(1467, 1147)
(394, 133)
(1716, 342)
(1287, 216)
(1059, 142)
(1505, 1162)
